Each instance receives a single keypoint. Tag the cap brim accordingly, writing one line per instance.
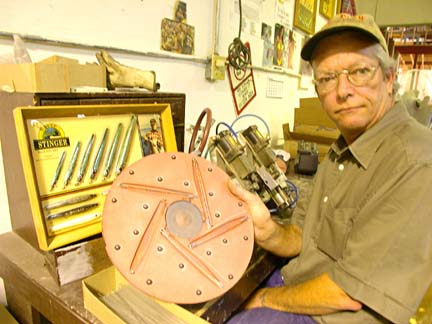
(309, 47)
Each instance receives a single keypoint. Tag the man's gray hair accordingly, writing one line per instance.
(387, 63)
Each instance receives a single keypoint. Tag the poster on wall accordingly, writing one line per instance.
(177, 37)
(327, 8)
(284, 12)
(279, 45)
(305, 15)
(305, 70)
(290, 45)
(251, 16)
(266, 36)
(346, 6)
(295, 53)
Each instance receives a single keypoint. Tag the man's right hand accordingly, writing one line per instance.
(281, 240)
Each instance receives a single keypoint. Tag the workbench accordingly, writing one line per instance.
(35, 297)
(33, 294)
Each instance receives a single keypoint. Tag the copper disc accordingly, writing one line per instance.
(175, 231)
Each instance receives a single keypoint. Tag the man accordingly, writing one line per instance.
(363, 246)
(155, 137)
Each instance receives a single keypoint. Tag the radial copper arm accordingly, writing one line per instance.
(218, 230)
(143, 187)
(147, 236)
(199, 183)
(194, 259)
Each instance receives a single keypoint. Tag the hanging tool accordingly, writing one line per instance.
(112, 151)
(58, 170)
(98, 158)
(122, 159)
(72, 164)
(84, 161)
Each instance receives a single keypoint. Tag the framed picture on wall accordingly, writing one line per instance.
(327, 8)
(305, 15)
(346, 6)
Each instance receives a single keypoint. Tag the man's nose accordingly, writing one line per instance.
(344, 86)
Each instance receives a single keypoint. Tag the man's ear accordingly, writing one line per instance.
(316, 91)
(390, 77)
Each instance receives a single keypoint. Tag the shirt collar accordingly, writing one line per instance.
(365, 146)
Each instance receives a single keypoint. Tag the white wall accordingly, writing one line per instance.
(174, 75)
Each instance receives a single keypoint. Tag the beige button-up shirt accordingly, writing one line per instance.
(369, 221)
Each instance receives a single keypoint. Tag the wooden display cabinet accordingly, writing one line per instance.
(18, 197)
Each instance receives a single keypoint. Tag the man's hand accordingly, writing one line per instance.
(281, 240)
(260, 213)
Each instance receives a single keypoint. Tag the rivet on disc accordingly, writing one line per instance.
(186, 183)
(245, 238)
(208, 252)
(225, 241)
(135, 232)
(149, 281)
(114, 199)
(217, 214)
(131, 172)
(198, 292)
(117, 247)
(210, 169)
(211, 194)
(240, 203)
(160, 248)
(173, 157)
(181, 265)
(160, 179)
(145, 206)
(230, 276)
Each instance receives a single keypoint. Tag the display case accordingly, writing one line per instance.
(71, 154)
(21, 211)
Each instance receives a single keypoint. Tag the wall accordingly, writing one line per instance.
(397, 12)
(132, 26)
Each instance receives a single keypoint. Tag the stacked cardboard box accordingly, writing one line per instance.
(311, 124)
(54, 74)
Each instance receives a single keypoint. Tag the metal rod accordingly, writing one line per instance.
(84, 161)
(58, 170)
(70, 201)
(72, 211)
(112, 151)
(98, 158)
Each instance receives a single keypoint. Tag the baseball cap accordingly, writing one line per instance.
(364, 24)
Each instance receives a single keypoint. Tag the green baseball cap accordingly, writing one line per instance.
(364, 24)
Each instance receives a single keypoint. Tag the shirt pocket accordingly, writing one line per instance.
(333, 234)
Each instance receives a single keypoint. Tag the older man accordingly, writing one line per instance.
(363, 246)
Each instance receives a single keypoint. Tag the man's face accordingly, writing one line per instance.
(354, 109)
(153, 124)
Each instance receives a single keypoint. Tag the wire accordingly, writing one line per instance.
(293, 188)
(253, 115)
(227, 126)
(238, 53)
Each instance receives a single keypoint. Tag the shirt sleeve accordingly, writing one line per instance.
(390, 233)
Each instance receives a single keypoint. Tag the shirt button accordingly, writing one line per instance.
(325, 199)
(341, 167)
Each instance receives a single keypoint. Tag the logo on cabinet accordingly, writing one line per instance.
(50, 136)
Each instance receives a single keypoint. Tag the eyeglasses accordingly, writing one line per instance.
(357, 76)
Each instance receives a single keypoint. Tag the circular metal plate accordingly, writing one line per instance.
(174, 230)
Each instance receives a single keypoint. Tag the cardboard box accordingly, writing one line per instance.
(109, 282)
(46, 134)
(51, 75)
(311, 124)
